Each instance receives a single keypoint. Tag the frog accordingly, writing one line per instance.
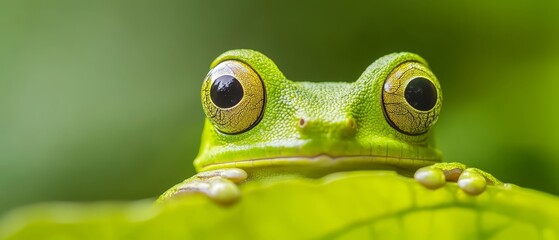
(260, 126)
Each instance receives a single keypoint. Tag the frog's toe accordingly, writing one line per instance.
(472, 182)
(218, 189)
(219, 185)
(430, 177)
(223, 191)
(234, 174)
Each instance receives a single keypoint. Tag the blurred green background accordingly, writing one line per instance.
(100, 100)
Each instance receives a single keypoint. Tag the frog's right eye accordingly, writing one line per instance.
(233, 97)
(411, 98)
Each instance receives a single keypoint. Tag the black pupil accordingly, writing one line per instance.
(226, 91)
(421, 94)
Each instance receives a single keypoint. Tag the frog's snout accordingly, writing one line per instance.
(342, 128)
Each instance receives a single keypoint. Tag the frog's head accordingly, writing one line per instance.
(257, 118)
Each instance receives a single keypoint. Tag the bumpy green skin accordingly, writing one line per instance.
(344, 129)
(326, 107)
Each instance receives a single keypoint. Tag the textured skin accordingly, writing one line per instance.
(313, 129)
(326, 107)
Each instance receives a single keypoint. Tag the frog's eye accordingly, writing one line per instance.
(233, 97)
(411, 98)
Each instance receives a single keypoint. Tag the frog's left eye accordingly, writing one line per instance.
(233, 97)
(411, 98)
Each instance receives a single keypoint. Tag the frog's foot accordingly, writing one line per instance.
(471, 180)
(218, 185)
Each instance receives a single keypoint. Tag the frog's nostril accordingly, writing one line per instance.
(302, 123)
(351, 122)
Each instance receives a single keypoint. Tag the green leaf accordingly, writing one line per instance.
(353, 205)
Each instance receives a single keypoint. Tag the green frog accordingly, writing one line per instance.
(260, 126)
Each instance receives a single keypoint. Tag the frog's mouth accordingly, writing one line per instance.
(326, 160)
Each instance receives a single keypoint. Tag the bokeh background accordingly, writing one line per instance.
(100, 100)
